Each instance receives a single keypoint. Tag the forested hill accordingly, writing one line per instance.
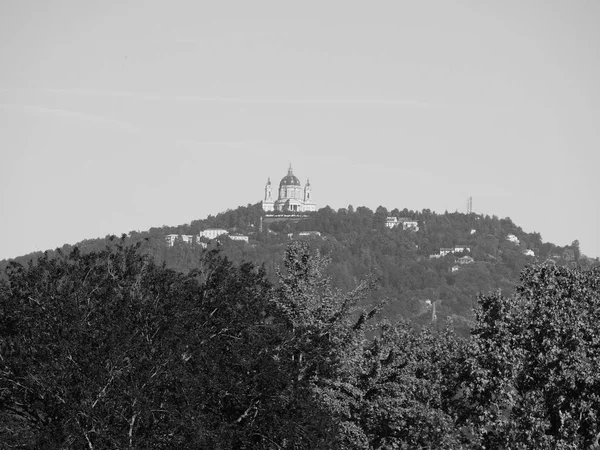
(360, 245)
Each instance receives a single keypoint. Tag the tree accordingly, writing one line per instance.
(532, 378)
(327, 329)
(85, 351)
(108, 350)
(380, 385)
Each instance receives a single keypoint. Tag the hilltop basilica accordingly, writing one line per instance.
(292, 198)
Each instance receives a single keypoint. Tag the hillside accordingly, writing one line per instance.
(110, 349)
(359, 244)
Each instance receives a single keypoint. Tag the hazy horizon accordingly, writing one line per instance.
(118, 117)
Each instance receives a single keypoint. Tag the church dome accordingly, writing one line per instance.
(290, 179)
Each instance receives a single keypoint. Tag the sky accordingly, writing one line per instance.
(119, 116)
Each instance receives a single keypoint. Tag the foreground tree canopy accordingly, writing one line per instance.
(109, 350)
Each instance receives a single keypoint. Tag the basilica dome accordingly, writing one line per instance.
(290, 179)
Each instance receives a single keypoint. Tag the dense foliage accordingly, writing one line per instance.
(107, 349)
(359, 245)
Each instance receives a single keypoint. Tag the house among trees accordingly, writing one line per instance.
(447, 250)
(407, 224)
(212, 233)
(171, 238)
(465, 260)
(512, 238)
(309, 234)
(391, 222)
(209, 233)
(186, 238)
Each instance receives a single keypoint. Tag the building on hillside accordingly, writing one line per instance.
(212, 233)
(529, 252)
(171, 238)
(455, 268)
(309, 234)
(291, 196)
(186, 238)
(238, 237)
(465, 260)
(461, 248)
(446, 251)
(391, 222)
(408, 224)
(512, 238)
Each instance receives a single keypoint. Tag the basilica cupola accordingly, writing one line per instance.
(290, 179)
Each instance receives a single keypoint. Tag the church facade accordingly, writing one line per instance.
(291, 197)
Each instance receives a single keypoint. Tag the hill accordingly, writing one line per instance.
(484, 254)
(108, 349)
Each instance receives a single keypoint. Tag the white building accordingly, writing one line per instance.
(171, 238)
(512, 238)
(461, 248)
(309, 233)
(238, 237)
(391, 222)
(465, 260)
(529, 252)
(212, 233)
(446, 251)
(407, 224)
(291, 196)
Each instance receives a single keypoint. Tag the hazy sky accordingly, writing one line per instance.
(119, 116)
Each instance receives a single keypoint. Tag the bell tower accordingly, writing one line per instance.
(307, 191)
(268, 204)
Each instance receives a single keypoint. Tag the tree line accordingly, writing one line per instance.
(110, 349)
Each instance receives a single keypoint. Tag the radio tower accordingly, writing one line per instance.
(469, 205)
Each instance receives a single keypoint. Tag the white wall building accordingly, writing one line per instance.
(309, 233)
(172, 238)
(410, 225)
(461, 248)
(391, 221)
(512, 238)
(212, 233)
(407, 224)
